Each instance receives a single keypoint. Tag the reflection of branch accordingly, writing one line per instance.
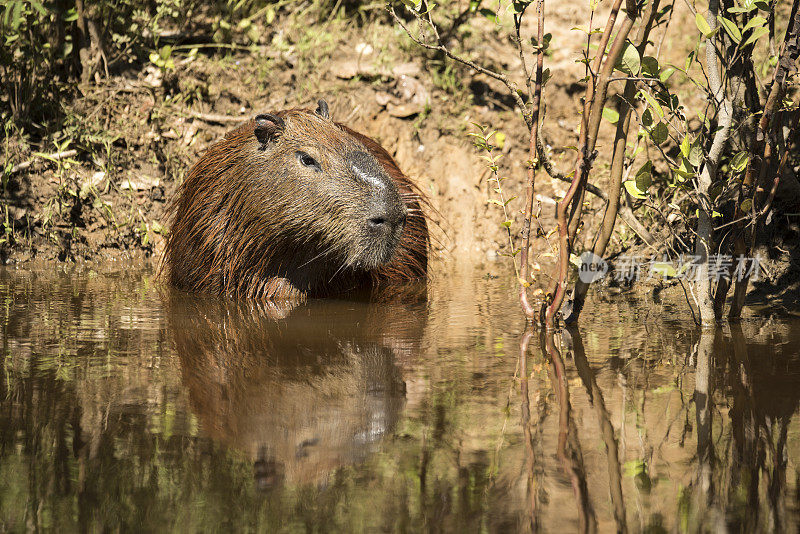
(754, 442)
(606, 428)
(703, 411)
(533, 483)
(569, 449)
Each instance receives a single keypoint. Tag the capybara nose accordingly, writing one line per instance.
(377, 223)
(385, 221)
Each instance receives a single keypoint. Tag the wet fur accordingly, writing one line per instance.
(224, 241)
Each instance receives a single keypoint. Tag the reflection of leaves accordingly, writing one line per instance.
(637, 469)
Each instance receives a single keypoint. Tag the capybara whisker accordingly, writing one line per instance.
(292, 205)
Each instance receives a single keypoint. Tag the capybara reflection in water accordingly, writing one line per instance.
(301, 392)
(292, 204)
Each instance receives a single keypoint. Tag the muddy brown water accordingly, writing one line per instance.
(128, 406)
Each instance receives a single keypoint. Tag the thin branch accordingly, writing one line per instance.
(512, 86)
(54, 156)
(526, 225)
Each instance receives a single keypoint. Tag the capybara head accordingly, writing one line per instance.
(292, 204)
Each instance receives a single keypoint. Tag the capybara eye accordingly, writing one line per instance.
(308, 161)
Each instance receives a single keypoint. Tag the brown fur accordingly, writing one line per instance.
(227, 239)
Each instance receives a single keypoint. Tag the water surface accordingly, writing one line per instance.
(129, 406)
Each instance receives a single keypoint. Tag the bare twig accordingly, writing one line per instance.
(617, 164)
(215, 118)
(567, 228)
(526, 224)
(439, 46)
(763, 150)
(703, 242)
(54, 156)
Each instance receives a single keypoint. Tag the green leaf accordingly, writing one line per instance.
(665, 74)
(611, 115)
(755, 21)
(687, 166)
(731, 29)
(653, 103)
(758, 33)
(489, 14)
(682, 174)
(71, 15)
(663, 268)
(545, 76)
(506, 224)
(16, 15)
(746, 205)
(696, 155)
(739, 161)
(650, 66)
(686, 146)
(647, 118)
(629, 61)
(716, 189)
(763, 6)
(659, 133)
(703, 26)
(519, 5)
(38, 7)
(644, 178)
(633, 190)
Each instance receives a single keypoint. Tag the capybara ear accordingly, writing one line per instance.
(322, 109)
(268, 127)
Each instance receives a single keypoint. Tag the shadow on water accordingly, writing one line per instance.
(127, 406)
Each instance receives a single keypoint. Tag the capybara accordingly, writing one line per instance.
(291, 205)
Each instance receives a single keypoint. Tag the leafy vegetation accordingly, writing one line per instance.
(708, 133)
